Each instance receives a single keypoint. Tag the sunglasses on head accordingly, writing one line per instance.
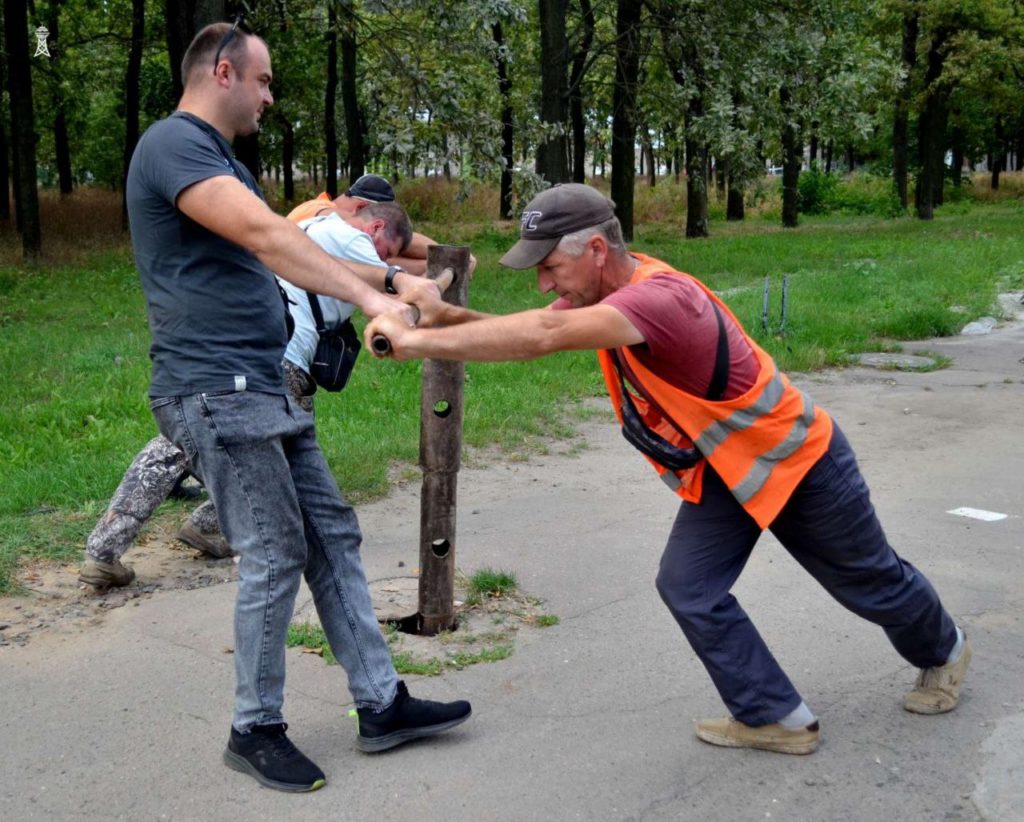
(227, 38)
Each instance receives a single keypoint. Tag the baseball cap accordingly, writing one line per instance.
(555, 212)
(372, 187)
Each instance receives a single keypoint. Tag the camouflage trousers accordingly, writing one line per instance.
(151, 477)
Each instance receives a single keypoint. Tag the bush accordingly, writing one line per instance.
(858, 193)
(817, 191)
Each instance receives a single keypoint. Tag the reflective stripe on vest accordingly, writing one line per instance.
(764, 464)
(760, 450)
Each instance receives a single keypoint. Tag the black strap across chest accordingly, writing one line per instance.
(716, 387)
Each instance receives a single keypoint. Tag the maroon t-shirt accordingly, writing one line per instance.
(680, 330)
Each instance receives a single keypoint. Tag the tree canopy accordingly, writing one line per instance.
(529, 94)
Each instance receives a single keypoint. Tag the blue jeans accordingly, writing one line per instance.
(829, 526)
(280, 509)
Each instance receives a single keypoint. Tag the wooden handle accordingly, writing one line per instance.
(381, 344)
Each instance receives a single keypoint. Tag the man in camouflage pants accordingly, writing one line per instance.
(371, 236)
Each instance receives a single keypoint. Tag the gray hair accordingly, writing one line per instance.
(611, 230)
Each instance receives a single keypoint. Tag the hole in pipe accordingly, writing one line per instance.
(440, 547)
(442, 408)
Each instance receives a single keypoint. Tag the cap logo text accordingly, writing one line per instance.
(530, 218)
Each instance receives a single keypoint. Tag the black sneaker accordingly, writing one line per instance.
(407, 718)
(268, 755)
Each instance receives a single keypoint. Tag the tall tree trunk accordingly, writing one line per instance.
(330, 100)
(791, 151)
(624, 92)
(23, 134)
(734, 203)
(957, 146)
(652, 167)
(696, 189)
(552, 153)
(354, 131)
(696, 175)
(579, 123)
(900, 151)
(61, 146)
(131, 99)
(828, 157)
(507, 122)
(931, 130)
(5, 169)
(288, 160)
(185, 18)
(688, 70)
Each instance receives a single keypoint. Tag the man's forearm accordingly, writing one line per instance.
(457, 315)
(302, 262)
(493, 338)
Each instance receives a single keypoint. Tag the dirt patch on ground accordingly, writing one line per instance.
(488, 627)
(54, 600)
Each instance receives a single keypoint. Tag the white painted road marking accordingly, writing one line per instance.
(977, 513)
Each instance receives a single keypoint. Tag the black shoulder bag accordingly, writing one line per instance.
(652, 444)
(336, 350)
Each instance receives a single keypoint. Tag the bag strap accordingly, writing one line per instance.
(720, 375)
(716, 387)
(314, 303)
(318, 315)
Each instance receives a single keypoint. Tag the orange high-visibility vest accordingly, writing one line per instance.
(310, 208)
(760, 443)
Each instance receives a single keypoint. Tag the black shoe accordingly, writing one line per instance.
(407, 718)
(267, 755)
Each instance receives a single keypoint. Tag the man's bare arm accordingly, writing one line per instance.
(226, 207)
(522, 336)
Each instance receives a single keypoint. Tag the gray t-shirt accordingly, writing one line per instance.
(215, 312)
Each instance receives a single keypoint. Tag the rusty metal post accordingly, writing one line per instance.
(440, 457)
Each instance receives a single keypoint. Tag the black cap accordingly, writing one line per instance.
(372, 187)
(555, 212)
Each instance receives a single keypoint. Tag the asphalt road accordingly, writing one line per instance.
(590, 719)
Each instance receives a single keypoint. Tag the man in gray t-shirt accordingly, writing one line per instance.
(369, 237)
(215, 312)
(205, 244)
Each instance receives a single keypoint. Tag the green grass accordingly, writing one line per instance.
(304, 635)
(73, 349)
(488, 582)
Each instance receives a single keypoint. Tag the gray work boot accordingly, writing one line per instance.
(213, 545)
(101, 574)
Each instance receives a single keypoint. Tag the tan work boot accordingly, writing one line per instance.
(101, 574)
(731, 733)
(213, 545)
(938, 689)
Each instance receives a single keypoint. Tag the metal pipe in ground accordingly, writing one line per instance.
(440, 458)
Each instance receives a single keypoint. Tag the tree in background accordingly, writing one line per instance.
(452, 87)
(553, 151)
(627, 74)
(23, 126)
